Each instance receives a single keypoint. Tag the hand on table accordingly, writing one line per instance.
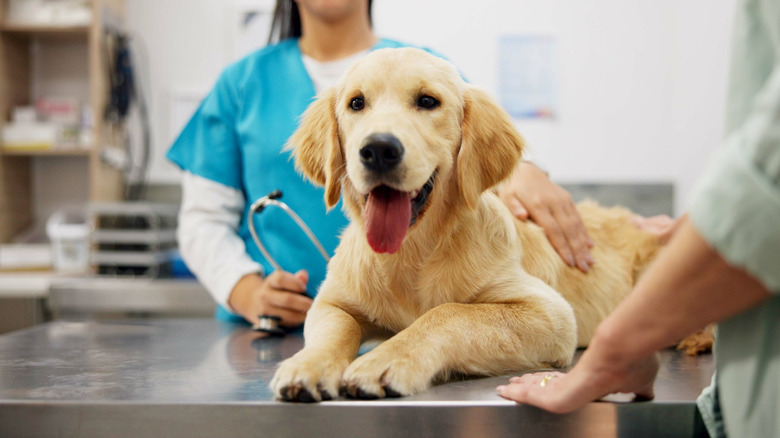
(281, 294)
(530, 194)
(591, 379)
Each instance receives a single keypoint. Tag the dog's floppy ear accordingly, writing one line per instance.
(491, 146)
(317, 149)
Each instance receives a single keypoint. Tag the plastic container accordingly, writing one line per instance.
(69, 236)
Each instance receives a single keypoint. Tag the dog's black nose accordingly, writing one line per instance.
(381, 152)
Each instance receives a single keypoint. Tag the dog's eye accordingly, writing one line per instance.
(427, 102)
(357, 103)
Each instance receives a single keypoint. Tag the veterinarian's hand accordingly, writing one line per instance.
(591, 379)
(530, 194)
(662, 225)
(281, 294)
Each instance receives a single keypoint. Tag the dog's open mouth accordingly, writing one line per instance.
(389, 213)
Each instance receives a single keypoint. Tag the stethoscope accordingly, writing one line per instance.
(270, 323)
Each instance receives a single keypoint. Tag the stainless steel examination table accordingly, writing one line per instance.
(201, 378)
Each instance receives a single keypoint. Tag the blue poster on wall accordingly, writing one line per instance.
(527, 85)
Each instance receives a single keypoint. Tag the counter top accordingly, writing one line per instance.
(85, 295)
(90, 295)
(26, 284)
(199, 377)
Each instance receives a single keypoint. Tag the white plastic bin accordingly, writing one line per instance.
(69, 236)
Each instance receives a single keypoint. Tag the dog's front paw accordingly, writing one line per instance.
(378, 375)
(308, 378)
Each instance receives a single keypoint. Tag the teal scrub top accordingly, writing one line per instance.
(236, 138)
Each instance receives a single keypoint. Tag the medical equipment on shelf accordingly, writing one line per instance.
(134, 239)
(270, 323)
(49, 12)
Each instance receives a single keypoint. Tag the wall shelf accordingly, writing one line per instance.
(46, 32)
(31, 55)
(37, 30)
(46, 152)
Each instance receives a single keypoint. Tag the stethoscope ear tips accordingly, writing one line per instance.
(269, 324)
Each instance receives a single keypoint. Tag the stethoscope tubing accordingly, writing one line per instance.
(269, 324)
(273, 199)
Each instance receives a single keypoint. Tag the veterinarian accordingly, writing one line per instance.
(722, 265)
(231, 154)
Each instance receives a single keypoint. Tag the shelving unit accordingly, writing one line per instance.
(47, 153)
(17, 82)
(38, 31)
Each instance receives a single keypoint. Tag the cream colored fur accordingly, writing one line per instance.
(471, 290)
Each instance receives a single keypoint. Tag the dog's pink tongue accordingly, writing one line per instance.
(387, 217)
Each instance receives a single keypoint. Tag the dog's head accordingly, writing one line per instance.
(399, 127)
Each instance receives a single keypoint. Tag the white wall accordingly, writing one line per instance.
(182, 45)
(641, 82)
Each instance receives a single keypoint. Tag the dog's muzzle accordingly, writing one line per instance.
(381, 152)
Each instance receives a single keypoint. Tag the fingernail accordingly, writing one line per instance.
(571, 260)
(500, 389)
(584, 266)
(591, 260)
(514, 379)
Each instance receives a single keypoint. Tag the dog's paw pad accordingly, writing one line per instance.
(392, 393)
(324, 393)
(305, 396)
(365, 395)
(297, 393)
(356, 392)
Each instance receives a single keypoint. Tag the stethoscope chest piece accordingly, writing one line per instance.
(269, 324)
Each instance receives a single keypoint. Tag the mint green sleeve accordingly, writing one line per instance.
(735, 204)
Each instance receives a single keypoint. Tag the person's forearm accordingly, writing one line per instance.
(689, 286)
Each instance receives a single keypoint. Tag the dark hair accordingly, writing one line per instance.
(286, 22)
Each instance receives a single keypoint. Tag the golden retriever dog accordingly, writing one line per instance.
(432, 258)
